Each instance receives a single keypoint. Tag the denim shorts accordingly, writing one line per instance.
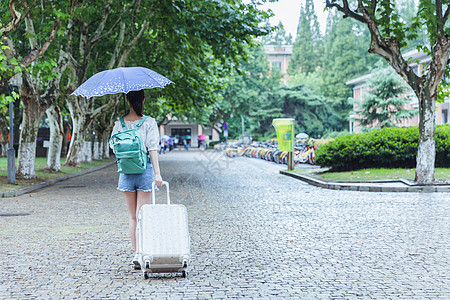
(137, 182)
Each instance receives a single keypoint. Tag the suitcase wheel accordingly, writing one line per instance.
(183, 274)
(145, 275)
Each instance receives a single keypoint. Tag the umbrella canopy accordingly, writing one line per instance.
(202, 137)
(302, 135)
(188, 137)
(165, 137)
(121, 80)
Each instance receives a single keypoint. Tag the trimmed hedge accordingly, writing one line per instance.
(390, 147)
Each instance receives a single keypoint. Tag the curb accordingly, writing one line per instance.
(376, 187)
(37, 186)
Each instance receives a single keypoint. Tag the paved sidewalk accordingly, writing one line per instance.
(255, 234)
(38, 186)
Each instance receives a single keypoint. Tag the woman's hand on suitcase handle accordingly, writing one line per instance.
(158, 180)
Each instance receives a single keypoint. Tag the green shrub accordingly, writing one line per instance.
(381, 148)
(335, 134)
(443, 146)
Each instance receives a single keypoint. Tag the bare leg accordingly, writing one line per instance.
(131, 199)
(142, 198)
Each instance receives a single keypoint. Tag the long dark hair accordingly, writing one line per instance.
(136, 98)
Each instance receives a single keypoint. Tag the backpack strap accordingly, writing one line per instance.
(141, 121)
(123, 124)
(137, 126)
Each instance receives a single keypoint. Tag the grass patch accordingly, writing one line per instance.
(41, 173)
(381, 174)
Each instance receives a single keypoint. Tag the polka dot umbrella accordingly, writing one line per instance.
(121, 80)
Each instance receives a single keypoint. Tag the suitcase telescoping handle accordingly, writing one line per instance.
(167, 190)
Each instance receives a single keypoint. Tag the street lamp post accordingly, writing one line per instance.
(350, 123)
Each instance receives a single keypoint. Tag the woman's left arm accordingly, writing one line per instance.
(155, 164)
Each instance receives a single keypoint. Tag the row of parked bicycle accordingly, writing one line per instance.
(303, 151)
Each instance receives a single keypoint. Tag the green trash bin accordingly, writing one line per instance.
(285, 133)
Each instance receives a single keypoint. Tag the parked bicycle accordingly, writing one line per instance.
(304, 152)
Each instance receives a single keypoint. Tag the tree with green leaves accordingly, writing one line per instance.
(195, 55)
(407, 10)
(312, 112)
(23, 41)
(13, 15)
(385, 99)
(306, 53)
(246, 96)
(345, 58)
(166, 37)
(112, 25)
(389, 35)
(277, 37)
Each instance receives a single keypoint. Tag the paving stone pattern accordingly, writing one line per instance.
(255, 234)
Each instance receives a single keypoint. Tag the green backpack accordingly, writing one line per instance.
(129, 148)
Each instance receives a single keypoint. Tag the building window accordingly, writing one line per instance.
(444, 116)
(181, 134)
(276, 64)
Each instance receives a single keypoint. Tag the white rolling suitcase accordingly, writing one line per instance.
(164, 243)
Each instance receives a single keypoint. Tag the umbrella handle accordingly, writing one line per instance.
(124, 104)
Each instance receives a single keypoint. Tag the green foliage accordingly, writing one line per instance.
(259, 96)
(7, 96)
(42, 17)
(344, 57)
(306, 53)
(383, 104)
(277, 37)
(248, 94)
(407, 10)
(198, 56)
(381, 148)
(313, 113)
(335, 134)
(313, 81)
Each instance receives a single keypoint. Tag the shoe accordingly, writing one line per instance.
(135, 261)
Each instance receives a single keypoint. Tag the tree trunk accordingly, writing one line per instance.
(100, 145)
(426, 154)
(64, 149)
(56, 138)
(87, 147)
(97, 153)
(4, 148)
(74, 155)
(4, 136)
(105, 141)
(33, 111)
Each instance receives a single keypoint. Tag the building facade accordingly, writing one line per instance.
(279, 57)
(188, 131)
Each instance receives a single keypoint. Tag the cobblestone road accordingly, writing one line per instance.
(254, 234)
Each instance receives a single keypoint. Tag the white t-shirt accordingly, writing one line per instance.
(149, 132)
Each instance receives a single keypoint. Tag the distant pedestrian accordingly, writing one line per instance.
(186, 144)
(162, 146)
(175, 142)
(170, 142)
(137, 188)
